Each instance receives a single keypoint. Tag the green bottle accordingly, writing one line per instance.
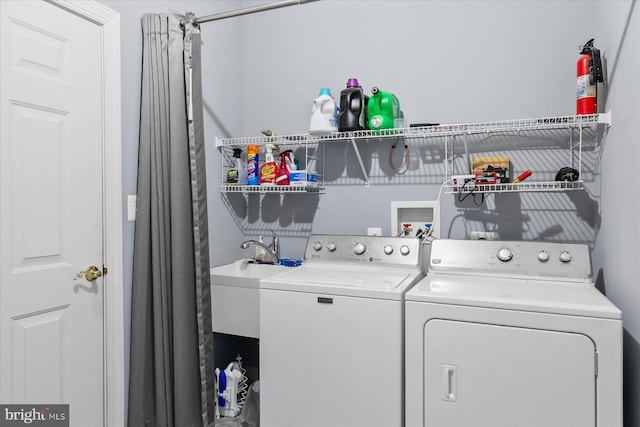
(383, 109)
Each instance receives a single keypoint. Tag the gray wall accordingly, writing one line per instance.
(616, 255)
(448, 62)
(452, 62)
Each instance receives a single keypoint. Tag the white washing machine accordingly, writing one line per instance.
(331, 333)
(504, 334)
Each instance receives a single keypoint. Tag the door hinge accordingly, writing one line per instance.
(104, 270)
(595, 364)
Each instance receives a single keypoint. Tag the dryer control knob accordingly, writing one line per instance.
(505, 254)
(317, 246)
(543, 256)
(565, 256)
(331, 246)
(404, 250)
(388, 249)
(359, 248)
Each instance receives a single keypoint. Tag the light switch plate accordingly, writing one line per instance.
(131, 207)
(374, 231)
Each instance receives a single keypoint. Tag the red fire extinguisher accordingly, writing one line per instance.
(589, 75)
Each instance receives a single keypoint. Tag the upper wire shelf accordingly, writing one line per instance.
(440, 130)
(299, 139)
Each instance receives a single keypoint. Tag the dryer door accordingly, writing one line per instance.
(490, 375)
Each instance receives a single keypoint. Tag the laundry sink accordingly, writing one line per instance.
(235, 297)
(243, 273)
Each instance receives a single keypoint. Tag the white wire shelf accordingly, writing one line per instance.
(518, 125)
(271, 189)
(550, 186)
(551, 128)
(280, 140)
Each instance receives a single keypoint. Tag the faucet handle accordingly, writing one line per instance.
(274, 237)
(275, 244)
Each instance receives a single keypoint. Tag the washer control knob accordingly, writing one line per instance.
(331, 246)
(505, 254)
(317, 246)
(404, 250)
(359, 248)
(565, 256)
(543, 256)
(388, 249)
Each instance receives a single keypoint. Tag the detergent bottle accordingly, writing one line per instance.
(324, 114)
(227, 390)
(269, 169)
(352, 107)
(383, 109)
(284, 171)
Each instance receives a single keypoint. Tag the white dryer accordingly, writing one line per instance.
(331, 334)
(504, 334)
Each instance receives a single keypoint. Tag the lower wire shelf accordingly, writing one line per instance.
(269, 189)
(516, 188)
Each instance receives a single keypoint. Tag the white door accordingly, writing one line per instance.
(51, 210)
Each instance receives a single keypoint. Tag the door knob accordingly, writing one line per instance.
(91, 273)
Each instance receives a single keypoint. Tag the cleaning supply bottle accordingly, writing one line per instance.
(238, 173)
(269, 169)
(253, 170)
(292, 162)
(352, 107)
(383, 109)
(324, 114)
(284, 171)
(241, 165)
(312, 175)
(232, 173)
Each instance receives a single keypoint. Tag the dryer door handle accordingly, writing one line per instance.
(449, 379)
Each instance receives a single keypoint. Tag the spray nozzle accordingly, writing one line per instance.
(237, 152)
(286, 158)
(286, 154)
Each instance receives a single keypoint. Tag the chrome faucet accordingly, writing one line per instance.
(273, 250)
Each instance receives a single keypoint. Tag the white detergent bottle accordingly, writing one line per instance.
(324, 114)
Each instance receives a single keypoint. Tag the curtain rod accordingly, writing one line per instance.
(249, 10)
